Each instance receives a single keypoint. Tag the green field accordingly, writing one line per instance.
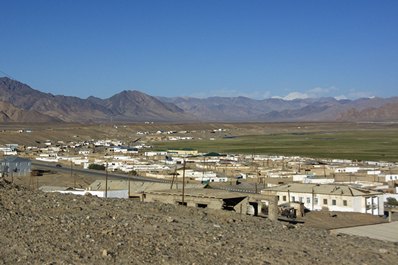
(357, 144)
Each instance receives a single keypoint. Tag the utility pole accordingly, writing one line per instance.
(129, 188)
(174, 178)
(203, 170)
(71, 172)
(106, 180)
(183, 183)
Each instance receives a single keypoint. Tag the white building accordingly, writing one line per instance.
(155, 153)
(391, 177)
(329, 197)
(124, 150)
(204, 176)
(347, 170)
(100, 192)
(197, 174)
(213, 179)
(299, 178)
(315, 180)
(373, 172)
(85, 152)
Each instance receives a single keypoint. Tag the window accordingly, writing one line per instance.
(333, 202)
(293, 198)
(345, 202)
(284, 198)
(201, 205)
(316, 201)
(300, 199)
(308, 200)
(325, 201)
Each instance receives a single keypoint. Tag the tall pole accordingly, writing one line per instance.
(106, 180)
(203, 170)
(174, 178)
(129, 188)
(71, 165)
(183, 183)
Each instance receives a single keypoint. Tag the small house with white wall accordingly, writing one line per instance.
(390, 177)
(329, 197)
(347, 170)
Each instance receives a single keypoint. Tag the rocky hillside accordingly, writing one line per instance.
(277, 110)
(10, 113)
(126, 106)
(386, 112)
(50, 228)
(134, 106)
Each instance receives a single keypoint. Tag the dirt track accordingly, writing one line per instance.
(44, 228)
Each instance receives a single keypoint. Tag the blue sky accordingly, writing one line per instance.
(259, 49)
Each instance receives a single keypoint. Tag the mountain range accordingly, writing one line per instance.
(21, 103)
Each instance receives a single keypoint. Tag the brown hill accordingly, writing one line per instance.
(386, 112)
(64, 108)
(132, 106)
(139, 106)
(277, 110)
(10, 113)
(125, 106)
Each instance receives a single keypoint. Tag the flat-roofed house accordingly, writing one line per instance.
(15, 166)
(183, 152)
(201, 198)
(329, 197)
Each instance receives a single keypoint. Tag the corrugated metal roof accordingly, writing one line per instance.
(14, 159)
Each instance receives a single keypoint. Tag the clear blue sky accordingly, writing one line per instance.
(342, 48)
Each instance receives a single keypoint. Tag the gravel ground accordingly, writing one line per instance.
(50, 228)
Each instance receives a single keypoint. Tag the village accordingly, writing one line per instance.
(260, 185)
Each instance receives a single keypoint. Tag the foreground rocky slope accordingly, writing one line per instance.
(44, 228)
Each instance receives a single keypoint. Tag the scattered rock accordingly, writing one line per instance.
(170, 220)
(92, 230)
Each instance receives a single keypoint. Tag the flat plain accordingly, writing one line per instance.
(357, 141)
(340, 141)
